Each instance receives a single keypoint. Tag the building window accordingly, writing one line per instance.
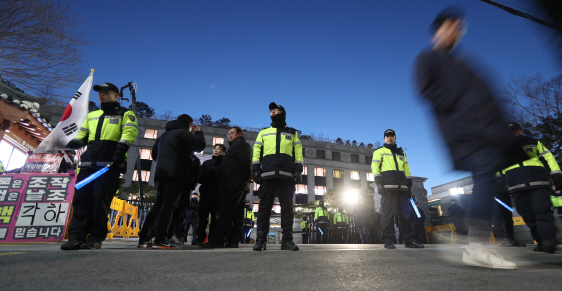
(151, 133)
(370, 177)
(338, 174)
(355, 175)
(218, 140)
(320, 154)
(256, 186)
(146, 154)
(354, 158)
(145, 176)
(320, 190)
(319, 172)
(302, 189)
(336, 156)
(368, 159)
(304, 170)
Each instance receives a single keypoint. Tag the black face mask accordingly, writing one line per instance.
(278, 120)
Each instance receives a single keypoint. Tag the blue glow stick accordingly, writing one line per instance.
(249, 232)
(504, 205)
(320, 230)
(92, 177)
(415, 208)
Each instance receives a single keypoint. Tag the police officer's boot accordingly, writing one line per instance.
(288, 243)
(261, 243)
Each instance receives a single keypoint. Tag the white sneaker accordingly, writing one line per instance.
(479, 256)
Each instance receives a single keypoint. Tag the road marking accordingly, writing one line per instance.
(11, 253)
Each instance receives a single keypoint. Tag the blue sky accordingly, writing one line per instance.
(340, 68)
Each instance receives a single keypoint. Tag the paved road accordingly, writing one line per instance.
(120, 265)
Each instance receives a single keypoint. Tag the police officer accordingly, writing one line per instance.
(108, 133)
(276, 163)
(345, 231)
(392, 176)
(339, 224)
(248, 222)
(529, 186)
(322, 218)
(305, 230)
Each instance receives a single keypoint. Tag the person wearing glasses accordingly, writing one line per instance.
(277, 163)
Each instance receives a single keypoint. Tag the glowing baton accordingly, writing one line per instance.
(91, 177)
(320, 230)
(415, 208)
(249, 232)
(504, 205)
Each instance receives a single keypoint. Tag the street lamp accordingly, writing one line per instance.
(351, 196)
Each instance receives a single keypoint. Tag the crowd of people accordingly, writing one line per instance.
(467, 114)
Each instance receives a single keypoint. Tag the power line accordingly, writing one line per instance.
(518, 13)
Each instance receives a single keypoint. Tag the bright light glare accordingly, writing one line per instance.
(351, 196)
(456, 191)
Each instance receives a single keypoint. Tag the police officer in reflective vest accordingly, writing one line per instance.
(529, 186)
(277, 162)
(392, 176)
(340, 223)
(322, 218)
(248, 222)
(108, 133)
(305, 230)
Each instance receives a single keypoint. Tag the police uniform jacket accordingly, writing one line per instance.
(390, 163)
(321, 214)
(106, 131)
(532, 173)
(277, 153)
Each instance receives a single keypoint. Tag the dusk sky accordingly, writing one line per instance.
(340, 68)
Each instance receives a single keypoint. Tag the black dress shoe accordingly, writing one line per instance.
(414, 245)
(389, 245)
(518, 244)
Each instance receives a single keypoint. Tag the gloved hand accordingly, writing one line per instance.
(378, 181)
(298, 177)
(74, 144)
(257, 176)
(557, 181)
(119, 158)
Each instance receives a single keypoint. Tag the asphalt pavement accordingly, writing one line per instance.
(120, 265)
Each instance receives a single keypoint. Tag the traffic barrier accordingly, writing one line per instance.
(116, 218)
(436, 234)
(132, 219)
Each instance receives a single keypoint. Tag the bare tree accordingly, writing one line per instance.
(167, 115)
(40, 44)
(536, 104)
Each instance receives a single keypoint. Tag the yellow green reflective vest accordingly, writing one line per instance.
(556, 201)
(1, 167)
(533, 172)
(105, 133)
(392, 166)
(321, 214)
(303, 224)
(276, 152)
(338, 217)
(248, 216)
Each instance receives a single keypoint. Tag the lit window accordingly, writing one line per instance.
(145, 176)
(338, 174)
(320, 190)
(305, 170)
(319, 172)
(456, 191)
(355, 175)
(302, 189)
(151, 133)
(256, 186)
(370, 177)
(218, 140)
(146, 154)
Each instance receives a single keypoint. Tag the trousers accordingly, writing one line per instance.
(391, 202)
(285, 190)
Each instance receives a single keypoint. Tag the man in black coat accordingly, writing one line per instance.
(472, 125)
(172, 152)
(209, 193)
(234, 173)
